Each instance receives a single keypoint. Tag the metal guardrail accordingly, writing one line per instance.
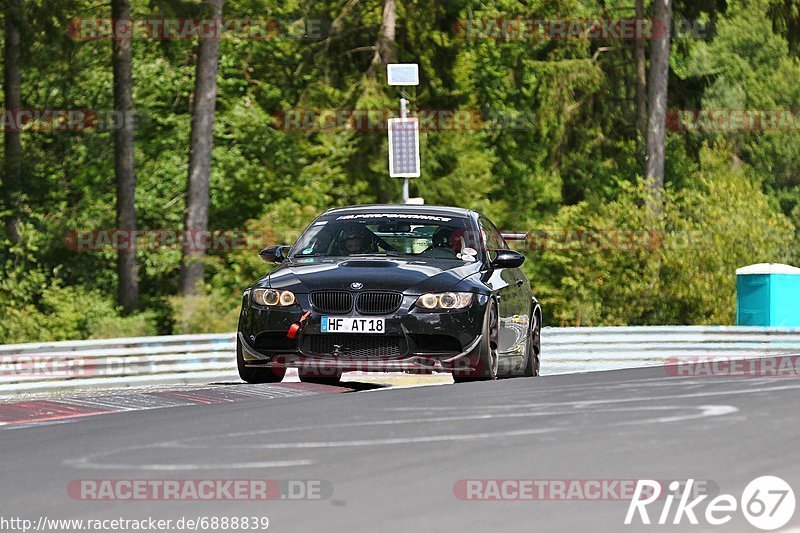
(193, 358)
(116, 362)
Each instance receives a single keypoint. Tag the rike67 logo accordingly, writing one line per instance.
(767, 503)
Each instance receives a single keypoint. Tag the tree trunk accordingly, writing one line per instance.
(12, 169)
(641, 77)
(385, 47)
(127, 270)
(196, 222)
(659, 76)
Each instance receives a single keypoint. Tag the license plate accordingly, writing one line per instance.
(353, 325)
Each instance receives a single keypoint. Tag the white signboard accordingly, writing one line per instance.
(402, 73)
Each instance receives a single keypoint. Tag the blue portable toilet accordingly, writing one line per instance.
(768, 294)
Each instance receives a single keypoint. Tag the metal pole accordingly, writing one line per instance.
(404, 114)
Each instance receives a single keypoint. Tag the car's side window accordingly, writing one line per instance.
(494, 239)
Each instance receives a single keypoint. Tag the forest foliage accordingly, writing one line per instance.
(557, 154)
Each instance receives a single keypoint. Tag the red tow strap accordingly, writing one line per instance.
(294, 329)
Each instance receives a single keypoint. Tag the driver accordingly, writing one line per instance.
(354, 240)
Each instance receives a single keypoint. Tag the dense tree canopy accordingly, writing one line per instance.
(552, 147)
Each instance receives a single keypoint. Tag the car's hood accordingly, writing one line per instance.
(409, 276)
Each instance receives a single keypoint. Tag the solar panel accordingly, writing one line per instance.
(404, 147)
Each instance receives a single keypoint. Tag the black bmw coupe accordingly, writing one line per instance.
(391, 288)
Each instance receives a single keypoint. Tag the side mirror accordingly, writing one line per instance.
(508, 259)
(273, 254)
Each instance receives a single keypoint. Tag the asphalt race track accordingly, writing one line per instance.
(399, 459)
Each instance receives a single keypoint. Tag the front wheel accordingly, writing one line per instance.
(488, 360)
(256, 375)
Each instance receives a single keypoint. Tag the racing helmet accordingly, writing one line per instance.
(441, 237)
(354, 239)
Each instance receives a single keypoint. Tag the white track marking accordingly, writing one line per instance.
(391, 422)
(706, 411)
(187, 443)
(584, 403)
(91, 462)
(402, 440)
(486, 413)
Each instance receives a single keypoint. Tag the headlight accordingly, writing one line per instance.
(444, 300)
(273, 298)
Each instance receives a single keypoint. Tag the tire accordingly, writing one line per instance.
(256, 375)
(488, 360)
(533, 347)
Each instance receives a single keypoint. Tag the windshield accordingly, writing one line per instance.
(389, 234)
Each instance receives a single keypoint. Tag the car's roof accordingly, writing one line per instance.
(402, 208)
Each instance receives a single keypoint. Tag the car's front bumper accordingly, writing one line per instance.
(413, 340)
